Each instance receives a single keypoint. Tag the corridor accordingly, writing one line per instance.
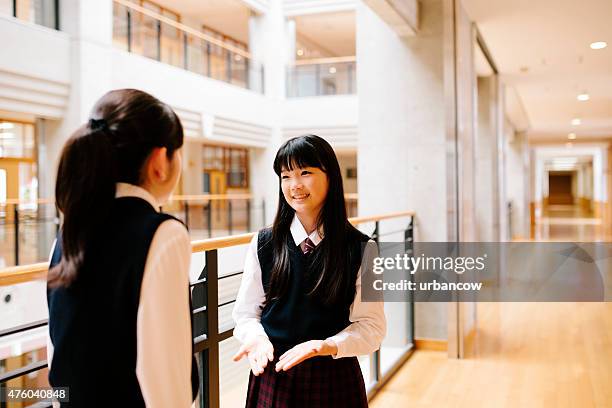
(522, 354)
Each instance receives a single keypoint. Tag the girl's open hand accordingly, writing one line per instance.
(304, 351)
(259, 351)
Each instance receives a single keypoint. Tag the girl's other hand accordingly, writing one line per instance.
(304, 351)
(259, 351)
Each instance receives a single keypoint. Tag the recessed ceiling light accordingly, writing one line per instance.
(332, 70)
(571, 136)
(599, 45)
(576, 121)
(583, 97)
(300, 52)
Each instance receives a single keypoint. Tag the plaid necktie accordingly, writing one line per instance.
(308, 247)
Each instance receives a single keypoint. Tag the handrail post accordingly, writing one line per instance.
(185, 51)
(209, 218)
(209, 396)
(229, 217)
(208, 64)
(318, 79)
(228, 68)
(248, 214)
(376, 233)
(247, 73)
(186, 214)
(129, 30)
(409, 250)
(263, 79)
(375, 366)
(263, 211)
(350, 78)
(159, 38)
(16, 221)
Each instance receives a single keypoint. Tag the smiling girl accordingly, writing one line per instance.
(299, 313)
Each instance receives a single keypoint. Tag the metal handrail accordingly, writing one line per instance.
(175, 198)
(25, 273)
(206, 314)
(318, 61)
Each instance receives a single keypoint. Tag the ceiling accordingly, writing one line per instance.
(334, 33)
(541, 48)
(230, 17)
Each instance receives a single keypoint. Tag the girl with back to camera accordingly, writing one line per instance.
(299, 313)
(118, 286)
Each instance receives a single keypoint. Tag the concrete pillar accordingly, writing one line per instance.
(404, 133)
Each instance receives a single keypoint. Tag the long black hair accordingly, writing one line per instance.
(125, 126)
(333, 282)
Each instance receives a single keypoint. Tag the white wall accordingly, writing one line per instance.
(35, 71)
(402, 135)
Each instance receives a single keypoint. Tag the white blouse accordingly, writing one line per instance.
(362, 336)
(163, 326)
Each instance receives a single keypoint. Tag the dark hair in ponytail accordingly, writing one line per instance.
(125, 126)
(333, 283)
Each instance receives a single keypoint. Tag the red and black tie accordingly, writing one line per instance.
(308, 247)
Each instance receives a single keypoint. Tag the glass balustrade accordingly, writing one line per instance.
(41, 12)
(325, 78)
(167, 41)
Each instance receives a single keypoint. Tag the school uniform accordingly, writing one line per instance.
(357, 328)
(121, 333)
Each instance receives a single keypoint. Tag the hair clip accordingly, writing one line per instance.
(98, 124)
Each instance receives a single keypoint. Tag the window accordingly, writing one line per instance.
(233, 161)
(16, 140)
(2, 185)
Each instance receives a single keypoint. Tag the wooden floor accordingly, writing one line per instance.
(524, 355)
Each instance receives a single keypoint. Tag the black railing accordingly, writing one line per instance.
(207, 336)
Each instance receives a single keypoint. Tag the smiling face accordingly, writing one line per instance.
(304, 189)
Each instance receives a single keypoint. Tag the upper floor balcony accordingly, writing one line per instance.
(324, 56)
(325, 76)
(157, 33)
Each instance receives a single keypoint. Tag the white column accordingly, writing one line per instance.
(402, 141)
(270, 45)
(490, 155)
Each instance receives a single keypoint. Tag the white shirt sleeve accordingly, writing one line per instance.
(368, 324)
(250, 299)
(164, 342)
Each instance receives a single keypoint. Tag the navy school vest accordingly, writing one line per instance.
(298, 317)
(92, 323)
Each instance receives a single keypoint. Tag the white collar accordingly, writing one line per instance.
(131, 190)
(299, 234)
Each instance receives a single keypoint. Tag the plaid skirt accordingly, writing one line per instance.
(317, 382)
